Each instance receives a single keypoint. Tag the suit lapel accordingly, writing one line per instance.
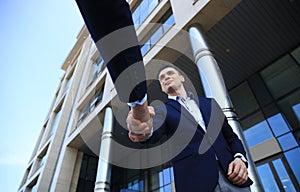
(205, 109)
(181, 109)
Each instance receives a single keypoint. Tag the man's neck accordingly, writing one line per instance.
(179, 92)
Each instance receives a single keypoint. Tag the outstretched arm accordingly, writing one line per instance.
(111, 27)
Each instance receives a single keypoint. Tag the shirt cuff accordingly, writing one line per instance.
(151, 133)
(133, 104)
(239, 154)
(242, 158)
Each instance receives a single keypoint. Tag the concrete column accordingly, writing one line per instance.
(214, 86)
(104, 167)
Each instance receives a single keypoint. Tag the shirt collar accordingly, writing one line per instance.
(189, 95)
(172, 97)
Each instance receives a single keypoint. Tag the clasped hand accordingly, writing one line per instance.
(139, 131)
(237, 172)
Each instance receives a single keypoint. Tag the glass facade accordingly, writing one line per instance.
(271, 111)
(157, 32)
(267, 178)
(90, 106)
(96, 70)
(54, 124)
(158, 179)
(88, 172)
(143, 10)
(68, 84)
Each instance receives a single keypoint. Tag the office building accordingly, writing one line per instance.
(256, 45)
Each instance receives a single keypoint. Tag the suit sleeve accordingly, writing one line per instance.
(111, 27)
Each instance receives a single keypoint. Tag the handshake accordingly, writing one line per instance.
(140, 122)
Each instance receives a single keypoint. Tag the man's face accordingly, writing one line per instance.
(170, 80)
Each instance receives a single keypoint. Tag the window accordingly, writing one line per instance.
(296, 109)
(136, 185)
(268, 104)
(54, 123)
(283, 176)
(280, 74)
(290, 108)
(25, 178)
(258, 133)
(267, 178)
(68, 83)
(293, 158)
(161, 181)
(91, 104)
(278, 124)
(88, 172)
(296, 54)
(143, 10)
(96, 70)
(32, 187)
(156, 179)
(97, 98)
(157, 32)
(241, 94)
(82, 114)
(274, 175)
(287, 141)
(41, 160)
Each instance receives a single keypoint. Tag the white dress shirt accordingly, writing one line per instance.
(190, 105)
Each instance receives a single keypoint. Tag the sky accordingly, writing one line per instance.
(36, 36)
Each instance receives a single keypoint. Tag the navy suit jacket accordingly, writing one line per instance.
(103, 19)
(194, 150)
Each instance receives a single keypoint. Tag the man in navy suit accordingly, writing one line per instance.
(111, 27)
(213, 157)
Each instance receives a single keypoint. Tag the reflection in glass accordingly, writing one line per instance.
(287, 141)
(267, 178)
(286, 106)
(68, 83)
(283, 175)
(160, 180)
(55, 124)
(243, 100)
(156, 33)
(278, 124)
(143, 10)
(258, 133)
(293, 158)
(280, 74)
(41, 161)
(168, 188)
(169, 22)
(296, 54)
(96, 70)
(296, 109)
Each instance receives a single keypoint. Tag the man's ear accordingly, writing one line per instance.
(182, 78)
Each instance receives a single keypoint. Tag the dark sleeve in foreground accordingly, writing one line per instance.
(111, 27)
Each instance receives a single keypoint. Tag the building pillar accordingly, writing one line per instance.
(214, 86)
(104, 167)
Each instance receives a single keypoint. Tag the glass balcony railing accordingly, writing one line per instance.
(157, 33)
(143, 10)
(90, 106)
